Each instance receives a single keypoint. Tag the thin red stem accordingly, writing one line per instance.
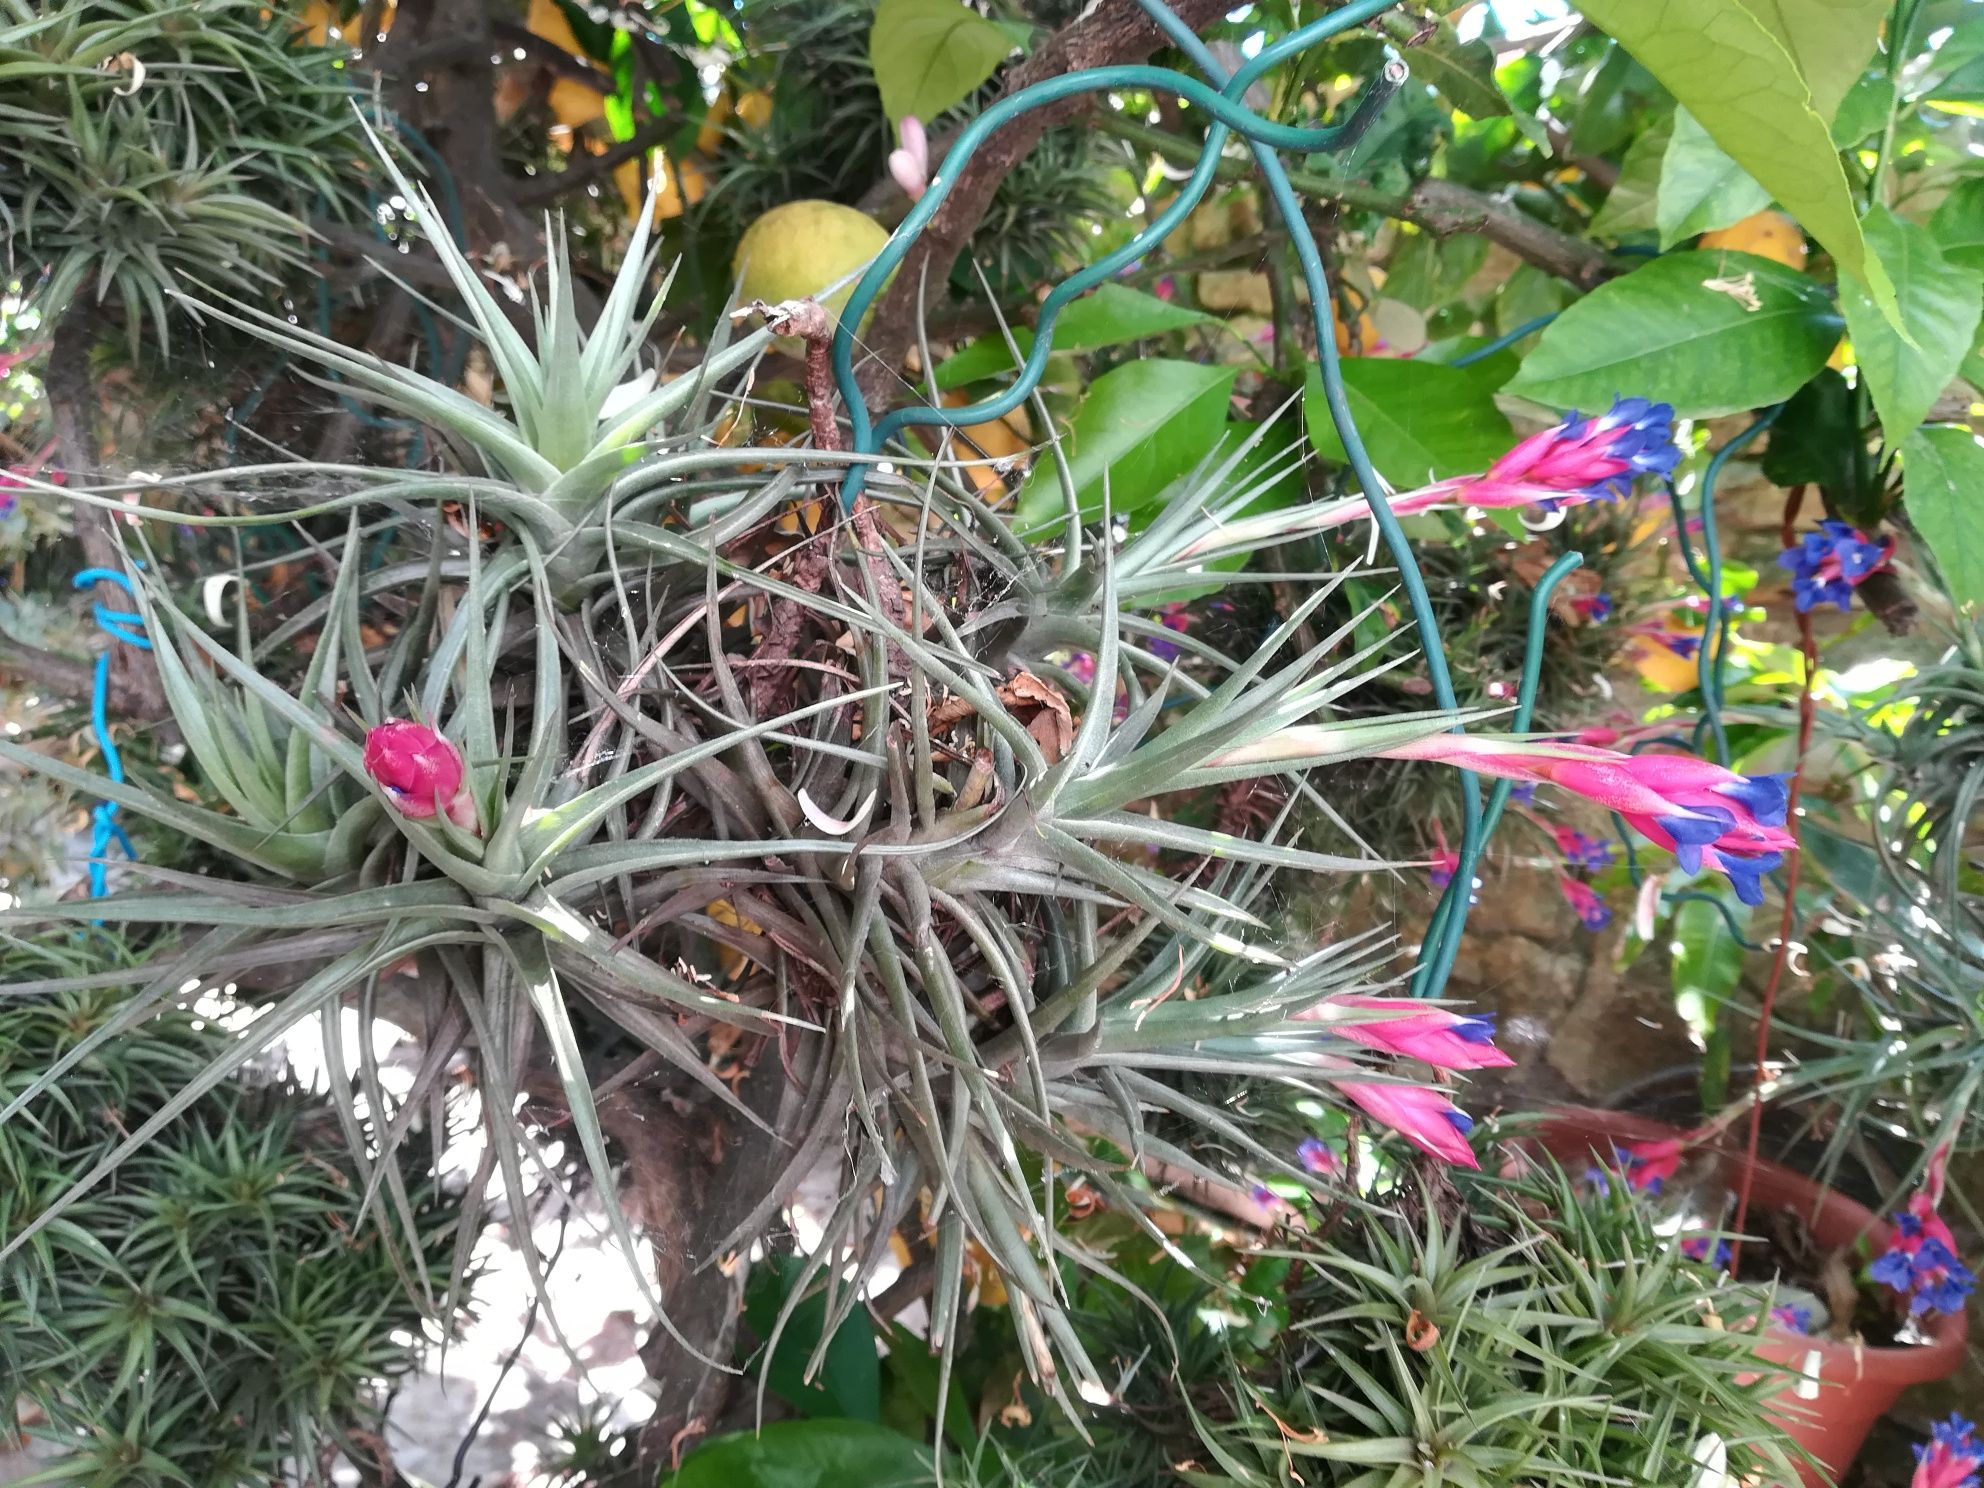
(1807, 712)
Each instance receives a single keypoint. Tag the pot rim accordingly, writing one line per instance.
(1900, 1364)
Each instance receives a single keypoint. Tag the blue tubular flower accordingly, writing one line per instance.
(1830, 562)
(1796, 1319)
(1706, 1248)
(1317, 1157)
(1951, 1459)
(1921, 1263)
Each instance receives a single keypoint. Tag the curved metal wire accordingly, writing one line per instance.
(1264, 137)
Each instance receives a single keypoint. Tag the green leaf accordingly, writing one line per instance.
(1829, 41)
(916, 1373)
(1941, 303)
(1632, 205)
(1706, 968)
(1112, 315)
(807, 1454)
(1701, 188)
(1463, 71)
(930, 55)
(1745, 89)
(1419, 420)
(1862, 111)
(849, 1383)
(1490, 371)
(1818, 440)
(1681, 330)
(1943, 486)
(1958, 224)
(1141, 426)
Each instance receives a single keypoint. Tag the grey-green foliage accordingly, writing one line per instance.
(222, 1312)
(963, 926)
(148, 146)
(1573, 1346)
(1514, 1331)
(1896, 1028)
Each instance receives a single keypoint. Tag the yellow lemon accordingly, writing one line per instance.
(681, 184)
(546, 20)
(574, 105)
(709, 138)
(755, 108)
(796, 250)
(316, 20)
(1767, 234)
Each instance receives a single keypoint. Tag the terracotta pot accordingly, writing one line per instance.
(1855, 1385)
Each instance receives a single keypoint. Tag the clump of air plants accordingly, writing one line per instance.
(676, 785)
(1497, 1326)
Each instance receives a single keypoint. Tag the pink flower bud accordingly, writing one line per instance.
(420, 771)
(910, 165)
(1424, 1117)
(1444, 1039)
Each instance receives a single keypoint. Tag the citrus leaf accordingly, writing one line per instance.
(1141, 426)
(1701, 188)
(1829, 42)
(930, 55)
(1682, 330)
(849, 1384)
(1463, 71)
(1943, 487)
(1112, 315)
(1744, 87)
(1632, 205)
(1419, 420)
(1862, 111)
(1958, 224)
(807, 1454)
(1941, 302)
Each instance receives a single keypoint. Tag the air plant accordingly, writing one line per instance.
(680, 777)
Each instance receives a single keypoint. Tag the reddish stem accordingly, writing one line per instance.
(1807, 712)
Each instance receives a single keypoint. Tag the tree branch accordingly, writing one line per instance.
(65, 676)
(592, 167)
(1439, 207)
(1112, 32)
(549, 55)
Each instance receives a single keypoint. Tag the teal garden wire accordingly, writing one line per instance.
(1265, 138)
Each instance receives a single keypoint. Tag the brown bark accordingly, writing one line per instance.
(694, 1181)
(1440, 207)
(1114, 32)
(1444, 208)
(72, 411)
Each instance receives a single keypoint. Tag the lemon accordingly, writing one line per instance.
(676, 179)
(796, 250)
(1767, 234)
